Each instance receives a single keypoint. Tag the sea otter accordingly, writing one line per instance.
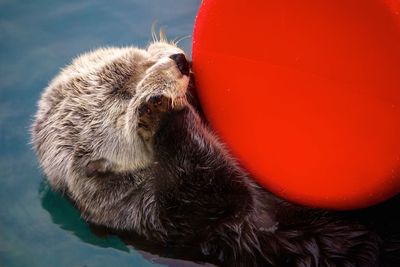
(119, 132)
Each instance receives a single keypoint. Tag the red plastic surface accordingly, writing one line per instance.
(306, 94)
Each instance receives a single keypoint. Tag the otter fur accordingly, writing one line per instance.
(119, 133)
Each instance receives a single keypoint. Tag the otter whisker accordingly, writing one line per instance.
(163, 36)
(182, 38)
(153, 31)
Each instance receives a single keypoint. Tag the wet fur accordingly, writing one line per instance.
(172, 181)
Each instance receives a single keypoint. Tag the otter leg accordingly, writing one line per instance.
(150, 114)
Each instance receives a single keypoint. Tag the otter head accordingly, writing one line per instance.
(168, 75)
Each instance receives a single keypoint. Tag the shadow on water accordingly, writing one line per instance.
(67, 217)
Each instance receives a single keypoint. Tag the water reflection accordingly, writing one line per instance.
(67, 217)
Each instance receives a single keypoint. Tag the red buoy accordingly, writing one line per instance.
(306, 94)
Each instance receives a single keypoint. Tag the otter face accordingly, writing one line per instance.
(162, 87)
(168, 76)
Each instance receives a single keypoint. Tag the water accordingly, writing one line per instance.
(39, 227)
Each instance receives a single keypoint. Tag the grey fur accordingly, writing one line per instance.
(89, 115)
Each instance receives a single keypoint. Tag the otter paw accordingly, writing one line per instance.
(98, 167)
(150, 113)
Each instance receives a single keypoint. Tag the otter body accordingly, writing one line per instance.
(116, 131)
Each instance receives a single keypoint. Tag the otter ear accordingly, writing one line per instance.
(98, 167)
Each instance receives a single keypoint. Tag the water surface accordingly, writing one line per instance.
(39, 227)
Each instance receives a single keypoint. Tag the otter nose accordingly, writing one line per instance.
(181, 62)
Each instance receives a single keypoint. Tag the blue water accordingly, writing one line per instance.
(39, 227)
